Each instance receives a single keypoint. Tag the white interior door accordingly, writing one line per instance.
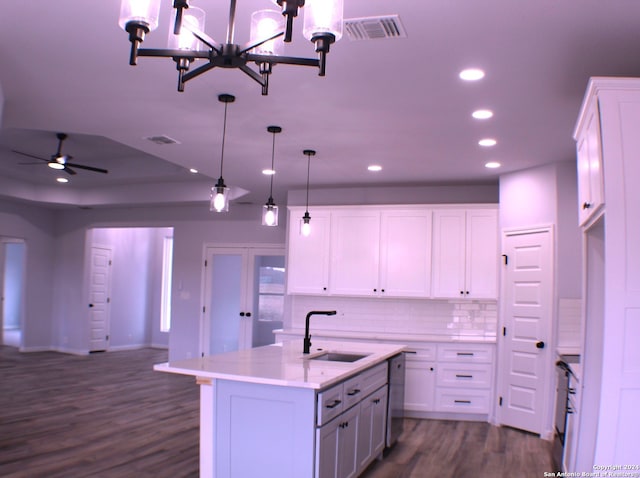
(99, 298)
(243, 288)
(527, 299)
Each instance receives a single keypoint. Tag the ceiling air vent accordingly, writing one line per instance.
(371, 28)
(162, 139)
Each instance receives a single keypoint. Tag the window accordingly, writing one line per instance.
(167, 272)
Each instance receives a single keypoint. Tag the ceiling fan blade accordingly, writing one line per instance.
(68, 170)
(88, 168)
(30, 155)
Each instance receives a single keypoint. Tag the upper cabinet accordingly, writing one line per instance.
(465, 253)
(308, 256)
(380, 252)
(589, 158)
(387, 251)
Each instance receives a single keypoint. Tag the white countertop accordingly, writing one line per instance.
(391, 337)
(284, 364)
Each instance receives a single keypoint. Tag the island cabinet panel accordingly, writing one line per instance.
(263, 430)
(308, 256)
(372, 427)
(336, 450)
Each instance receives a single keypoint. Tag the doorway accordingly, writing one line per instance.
(526, 352)
(12, 280)
(243, 297)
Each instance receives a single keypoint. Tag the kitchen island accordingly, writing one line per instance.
(274, 411)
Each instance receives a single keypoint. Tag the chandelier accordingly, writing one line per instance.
(189, 43)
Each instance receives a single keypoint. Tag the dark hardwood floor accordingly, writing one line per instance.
(110, 415)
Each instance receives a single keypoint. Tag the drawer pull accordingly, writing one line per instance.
(410, 351)
(460, 375)
(353, 392)
(468, 402)
(334, 404)
(465, 354)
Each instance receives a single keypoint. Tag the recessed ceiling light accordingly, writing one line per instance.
(487, 142)
(62, 180)
(492, 165)
(471, 74)
(193, 170)
(374, 168)
(268, 172)
(482, 114)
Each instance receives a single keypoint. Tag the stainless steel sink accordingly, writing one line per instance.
(339, 357)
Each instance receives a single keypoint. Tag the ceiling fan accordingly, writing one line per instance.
(60, 161)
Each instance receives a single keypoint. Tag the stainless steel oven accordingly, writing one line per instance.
(563, 388)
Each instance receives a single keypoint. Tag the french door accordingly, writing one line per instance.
(243, 297)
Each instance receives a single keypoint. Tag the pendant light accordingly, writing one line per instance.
(220, 192)
(270, 210)
(305, 227)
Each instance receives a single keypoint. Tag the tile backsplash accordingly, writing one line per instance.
(402, 316)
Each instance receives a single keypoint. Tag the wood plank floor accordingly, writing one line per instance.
(110, 415)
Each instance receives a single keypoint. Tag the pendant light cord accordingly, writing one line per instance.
(224, 134)
(273, 171)
(308, 170)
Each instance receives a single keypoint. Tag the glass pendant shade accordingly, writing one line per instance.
(141, 12)
(219, 197)
(322, 18)
(191, 17)
(305, 225)
(265, 24)
(270, 214)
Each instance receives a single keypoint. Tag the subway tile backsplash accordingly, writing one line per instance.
(401, 316)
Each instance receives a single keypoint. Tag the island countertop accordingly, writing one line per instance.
(284, 364)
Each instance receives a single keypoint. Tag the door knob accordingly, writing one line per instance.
(90, 305)
(540, 344)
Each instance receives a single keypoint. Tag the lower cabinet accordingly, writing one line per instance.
(372, 427)
(336, 446)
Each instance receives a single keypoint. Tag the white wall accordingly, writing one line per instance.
(36, 227)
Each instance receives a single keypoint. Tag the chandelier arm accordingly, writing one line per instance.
(197, 72)
(204, 38)
(288, 60)
(250, 46)
(253, 74)
(167, 53)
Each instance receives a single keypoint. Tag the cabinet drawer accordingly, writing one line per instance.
(465, 353)
(462, 401)
(358, 387)
(421, 352)
(330, 404)
(464, 376)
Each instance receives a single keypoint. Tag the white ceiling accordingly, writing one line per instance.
(394, 102)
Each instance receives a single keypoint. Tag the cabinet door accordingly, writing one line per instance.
(448, 253)
(589, 157)
(308, 256)
(355, 249)
(347, 440)
(405, 253)
(419, 387)
(481, 273)
(327, 450)
(379, 421)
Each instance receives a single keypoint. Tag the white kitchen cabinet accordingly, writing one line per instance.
(355, 252)
(589, 161)
(308, 256)
(336, 446)
(383, 253)
(372, 427)
(405, 253)
(420, 378)
(465, 253)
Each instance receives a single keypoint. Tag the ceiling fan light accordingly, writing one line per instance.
(186, 40)
(142, 13)
(265, 24)
(55, 165)
(323, 18)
